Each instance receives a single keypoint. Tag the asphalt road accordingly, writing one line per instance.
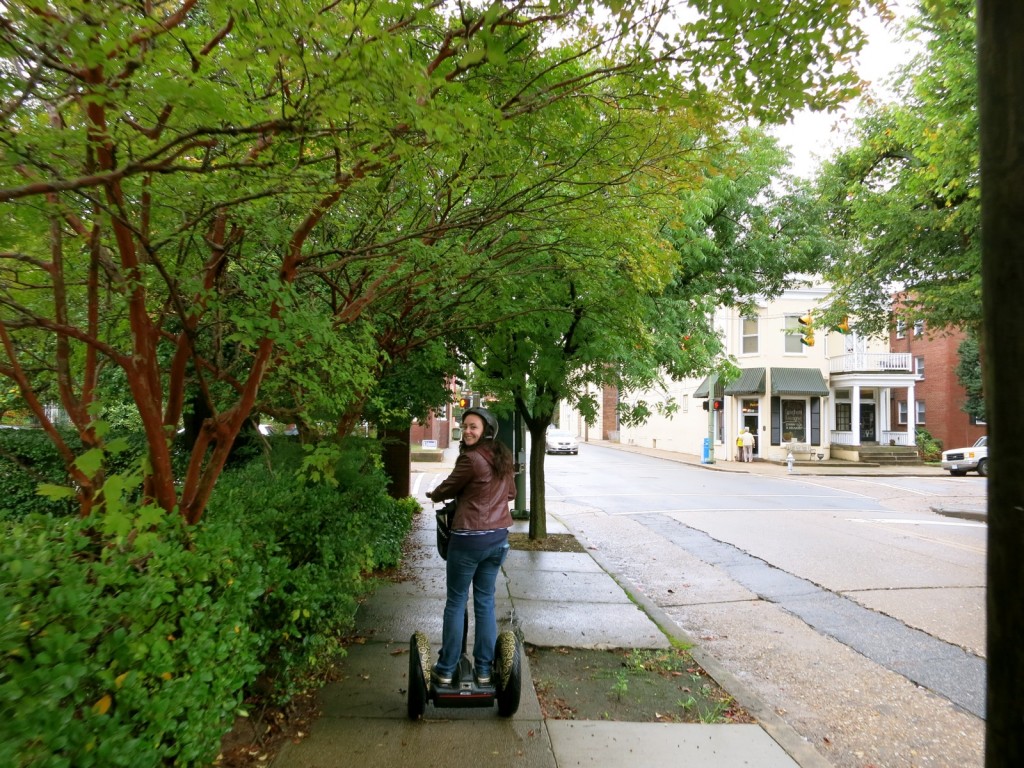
(845, 603)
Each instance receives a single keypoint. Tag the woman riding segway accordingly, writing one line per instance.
(482, 484)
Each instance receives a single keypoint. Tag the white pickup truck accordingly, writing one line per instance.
(960, 461)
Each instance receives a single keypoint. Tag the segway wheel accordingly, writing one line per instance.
(419, 675)
(509, 677)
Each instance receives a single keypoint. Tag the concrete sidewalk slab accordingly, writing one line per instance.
(398, 610)
(364, 723)
(566, 598)
(656, 745)
(585, 625)
(556, 586)
(558, 562)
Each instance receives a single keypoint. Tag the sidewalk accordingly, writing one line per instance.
(769, 468)
(552, 599)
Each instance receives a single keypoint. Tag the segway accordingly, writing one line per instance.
(504, 689)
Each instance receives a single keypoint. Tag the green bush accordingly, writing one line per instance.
(317, 542)
(28, 458)
(139, 650)
(122, 653)
(928, 447)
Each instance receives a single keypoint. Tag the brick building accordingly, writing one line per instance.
(938, 396)
(437, 428)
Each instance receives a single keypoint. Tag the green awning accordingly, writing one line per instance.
(798, 381)
(702, 388)
(750, 382)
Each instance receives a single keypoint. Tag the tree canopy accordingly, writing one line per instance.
(630, 288)
(905, 197)
(215, 209)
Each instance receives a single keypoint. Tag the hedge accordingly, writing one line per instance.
(140, 651)
(27, 458)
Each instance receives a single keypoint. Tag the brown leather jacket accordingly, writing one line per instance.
(482, 496)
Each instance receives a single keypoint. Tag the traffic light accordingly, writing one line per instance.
(717, 404)
(463, 402)
(807, 334)
(843, 326)
(705, 404)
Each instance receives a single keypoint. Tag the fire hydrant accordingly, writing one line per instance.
(789, 463)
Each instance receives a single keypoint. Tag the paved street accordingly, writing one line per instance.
(845, 603)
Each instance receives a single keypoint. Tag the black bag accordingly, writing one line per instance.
(445, 516)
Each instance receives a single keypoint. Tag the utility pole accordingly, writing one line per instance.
(712, 382)
(519, 510)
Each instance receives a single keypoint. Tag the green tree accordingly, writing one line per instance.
(623, 304)
(198, 193)
(176, 175)
(968, 373)
(906, 195)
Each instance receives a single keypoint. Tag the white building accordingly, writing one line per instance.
(829, 400)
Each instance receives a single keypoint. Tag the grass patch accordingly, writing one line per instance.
(629, 685)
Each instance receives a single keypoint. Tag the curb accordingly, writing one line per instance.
(795, 745)
(977, 515)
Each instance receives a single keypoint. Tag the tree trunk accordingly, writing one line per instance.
(538, 512)
(397, 460)
(1001, 104)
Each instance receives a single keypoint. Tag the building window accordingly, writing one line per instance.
(901, 329)
(794, 420)
(901, 412)
(978, 422)
(844, 417)
(684, 403)
(794, 333)
(919, 366)
(749, 340)
(919, 411)
(918, 327)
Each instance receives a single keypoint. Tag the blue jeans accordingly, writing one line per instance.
(479, 568)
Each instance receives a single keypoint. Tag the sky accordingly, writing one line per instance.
(812, 136)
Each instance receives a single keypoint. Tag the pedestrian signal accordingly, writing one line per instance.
(718, 405)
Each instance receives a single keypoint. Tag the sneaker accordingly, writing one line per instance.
(482, 680)
(437, 679)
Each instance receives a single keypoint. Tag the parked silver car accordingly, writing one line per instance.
(560, 441)
(960, 461)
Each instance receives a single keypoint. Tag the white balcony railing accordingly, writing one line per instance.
(896, 438)
(864, 362)
(889, 437)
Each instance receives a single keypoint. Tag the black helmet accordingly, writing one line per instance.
(490, 423)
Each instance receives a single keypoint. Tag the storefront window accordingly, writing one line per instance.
(794, 420)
